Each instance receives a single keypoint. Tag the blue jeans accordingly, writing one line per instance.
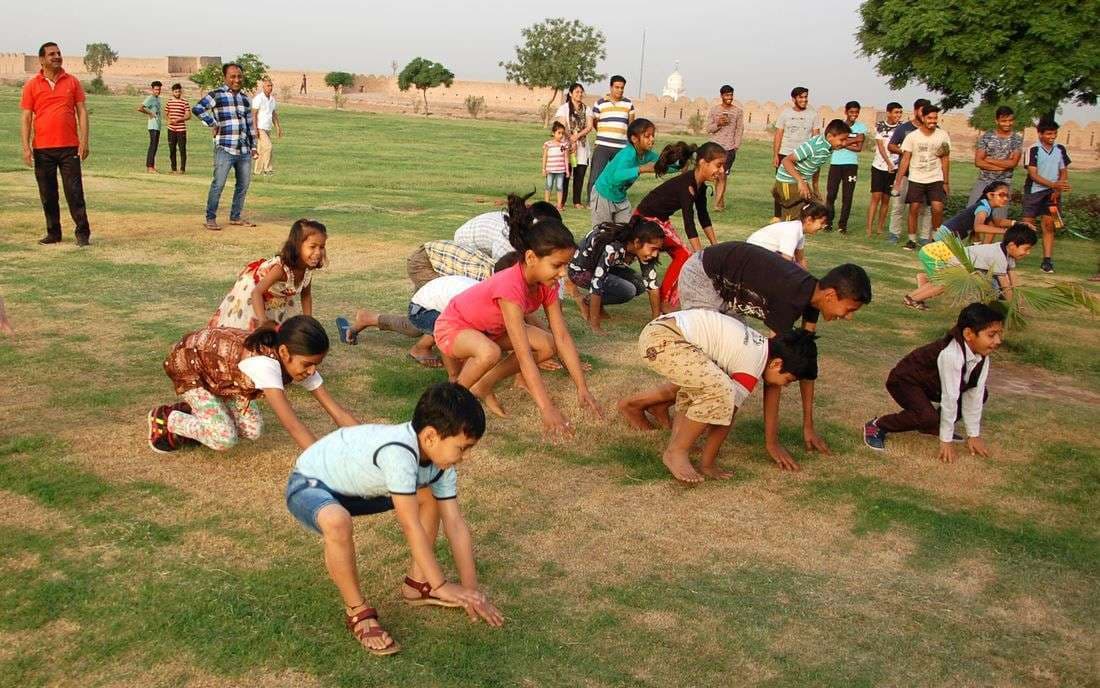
(242, 166)
(305, 497)
(422, 318)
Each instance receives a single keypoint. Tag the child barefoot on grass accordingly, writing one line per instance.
(601, 264)
(278, 288)
(713, 362)
(788, 239)
(488, 318)
(425, 307)
(409, 469)
(997, 259)
(219, 372)
(951, 371)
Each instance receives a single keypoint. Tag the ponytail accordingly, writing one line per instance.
(302, 335)
(674, 156)
(645, 231)
(535, 231)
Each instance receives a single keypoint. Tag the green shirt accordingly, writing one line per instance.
(621, 172)
(152, 104)
(808, 159)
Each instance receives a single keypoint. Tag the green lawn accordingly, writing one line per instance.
(124, 567)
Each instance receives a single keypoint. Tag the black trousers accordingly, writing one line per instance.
(601, 155)
(578, 182)
(842, 178)
(177, 139)
(151, 154)
(47, 163)
(917, 412)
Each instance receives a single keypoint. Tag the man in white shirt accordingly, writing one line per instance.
(926, 157)
(264, 117)
(794, 126)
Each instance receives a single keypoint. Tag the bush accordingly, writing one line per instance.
(132, 90)
(475, 105)
(696, 123)
(96, 87)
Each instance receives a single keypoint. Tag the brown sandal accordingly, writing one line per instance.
(426, 598)
(365, 631)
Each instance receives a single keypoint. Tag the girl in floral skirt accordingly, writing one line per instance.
(278, 288)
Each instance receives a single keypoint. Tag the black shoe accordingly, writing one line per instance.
(83, 241)
(910, 246)
(49, 240)
(1047, 265)
(843, 230)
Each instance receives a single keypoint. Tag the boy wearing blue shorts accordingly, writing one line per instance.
(409, 469)
(1047, 178)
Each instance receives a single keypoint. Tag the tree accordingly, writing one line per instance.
(337, 81)
(555, 53)
(424, 74)
(97, 57)
(252, 67)
(1038, 57)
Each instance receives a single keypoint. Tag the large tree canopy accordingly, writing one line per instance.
(424, 74)
(555, 53)
(1037, 55)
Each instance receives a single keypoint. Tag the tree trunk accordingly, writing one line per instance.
(425, 92)
(550, 113)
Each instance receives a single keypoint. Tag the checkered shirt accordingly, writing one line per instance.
(449, 258)
(486, 233)
(232, 114)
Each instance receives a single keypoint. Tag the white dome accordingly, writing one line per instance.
(674, 85)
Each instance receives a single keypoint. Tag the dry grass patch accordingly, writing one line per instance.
(20, 511)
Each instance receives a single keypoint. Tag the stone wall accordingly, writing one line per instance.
(12, 64)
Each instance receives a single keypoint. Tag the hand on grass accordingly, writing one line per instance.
(813, 441)
(555, 425)
(487, 611)
(585, 398)
(947, 452)
(977, 447)
(782, 457)
(453, 592)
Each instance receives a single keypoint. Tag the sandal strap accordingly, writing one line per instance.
(353, 620)
(423, 587)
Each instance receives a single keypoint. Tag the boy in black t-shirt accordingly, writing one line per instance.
(747, 280)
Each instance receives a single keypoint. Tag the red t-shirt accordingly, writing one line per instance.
(54, 109)
(477, 307)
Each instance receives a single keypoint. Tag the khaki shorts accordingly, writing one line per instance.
(706, 393)
(420, 269)
(789, 200)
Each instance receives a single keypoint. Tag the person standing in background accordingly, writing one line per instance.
(794, 126)
(227, 111)
(264, 117)
(726, 126)
(611, 116)
(54, 132)
(573, 115)
(844, 169)
(996, 154)
(302, 88)
(899, 209)
(151, 108)
(178, 111)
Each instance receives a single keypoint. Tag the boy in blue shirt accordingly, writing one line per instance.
(407, 468)
(844, 168)
(1047, 177)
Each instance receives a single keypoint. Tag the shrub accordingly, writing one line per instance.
(475, 105)
(96, 87)
(696, 123)
(132, 90)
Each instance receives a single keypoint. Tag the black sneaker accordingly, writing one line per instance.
(49, 240)
(874, 436)
(160, 439)
(1047, 265)
(842, 230)
(910, 245)
(82, 241)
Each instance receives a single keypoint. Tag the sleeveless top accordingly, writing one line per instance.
(208, 358)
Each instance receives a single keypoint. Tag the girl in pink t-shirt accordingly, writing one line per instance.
(489, 318)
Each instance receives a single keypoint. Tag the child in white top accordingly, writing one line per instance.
(409, 469)
(788, 238)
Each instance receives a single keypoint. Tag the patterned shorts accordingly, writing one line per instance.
(706, 393)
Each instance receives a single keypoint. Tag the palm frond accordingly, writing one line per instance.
(958, 249)
(964, 286)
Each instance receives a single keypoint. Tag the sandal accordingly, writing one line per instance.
(427, 361)
(914, 304)
(344, 328)
(426, 597)
(365, 631)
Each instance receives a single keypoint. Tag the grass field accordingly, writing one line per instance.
(122, 567)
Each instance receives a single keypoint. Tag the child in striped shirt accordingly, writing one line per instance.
(555, 165)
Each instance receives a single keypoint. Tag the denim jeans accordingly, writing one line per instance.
(305, 497)
(223, 162)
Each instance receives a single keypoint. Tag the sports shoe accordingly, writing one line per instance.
(910, 245)
(1047, 265)
(49, 240)
(874, 436)
(83, 241)
(160, 439)
(891, 238)
(914, 304)
(842, 230)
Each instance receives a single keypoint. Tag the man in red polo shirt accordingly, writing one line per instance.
(55, 138)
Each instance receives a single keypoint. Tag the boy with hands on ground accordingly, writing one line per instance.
(409, 469)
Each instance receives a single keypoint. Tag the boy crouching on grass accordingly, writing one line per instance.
(950, 371)
(713, 362)
(407, 468)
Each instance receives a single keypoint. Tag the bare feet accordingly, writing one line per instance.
(634, 416)
(662, 415)
(680, 467)
(579, 206)
(715, 473)
(582, 303)
(489, 400)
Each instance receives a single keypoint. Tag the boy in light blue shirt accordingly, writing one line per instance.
(844, 168)
(409, 469)
(151, 108)
(1047, 177)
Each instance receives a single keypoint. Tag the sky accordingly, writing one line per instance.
(713, 42)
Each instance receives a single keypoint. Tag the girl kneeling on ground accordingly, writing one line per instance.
(219, 372)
